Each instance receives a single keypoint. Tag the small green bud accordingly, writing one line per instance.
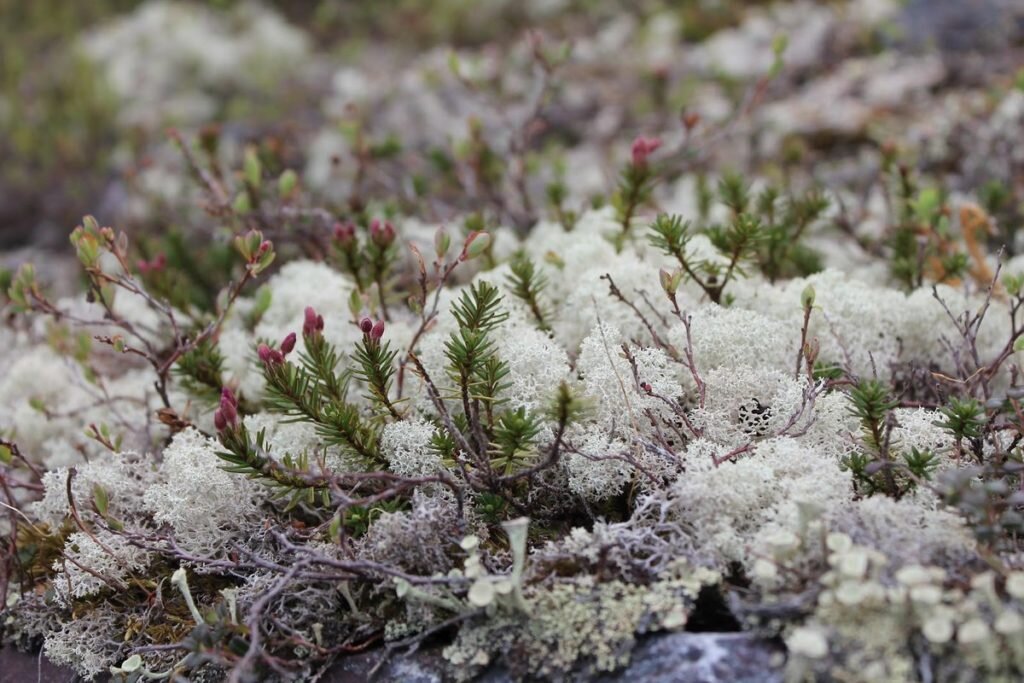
(263, 299)
(1013, 284)
(287, 183)
(442, 241)
(250, 244)
(118, 343)
(807, 297)
(476, 244)
(666, 281)
(107, 292)
(350, 129)
(100, 499)
(6, 455)
(83, 346)
(252, 168)
(670, 280)
(87, 247)
(779, 45)
(265, 256)
(1018, 344)
(241, 205)
(552, 258)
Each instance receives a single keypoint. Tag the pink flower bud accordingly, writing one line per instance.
(378, 330)
(344, 235)
(229, 414)
(365, 325)
(643, 147)
(219, 422)
(382, 233)
(268, 355)
(288, 344)
(313, 323)
(228, 407)
(264, 247)
(158, 263)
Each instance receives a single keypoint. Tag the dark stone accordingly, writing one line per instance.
(958, 26)
(703, 658)
(711, 614)
(658, 658)
(19, 667)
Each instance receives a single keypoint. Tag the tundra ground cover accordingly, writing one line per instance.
(550, 343)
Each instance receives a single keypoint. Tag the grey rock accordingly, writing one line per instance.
(963, 25)
(20, 667)
(660, 658)
(703, 658)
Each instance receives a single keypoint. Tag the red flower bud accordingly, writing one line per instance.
(288, 344)
(228, 407)
(158, 263)
(269, 356)
(344, 235)
(313, 323)
(378, 330)
(219, 422)
(264, 246)
(382, 233)
(365, 325)
(643, 147)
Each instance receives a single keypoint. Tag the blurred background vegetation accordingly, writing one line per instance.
(68, 150)
(58, 125)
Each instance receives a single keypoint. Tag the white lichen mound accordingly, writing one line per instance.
(167, 60)
(730, 507)
(207, 508)
(407, 447)
(94, 562)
